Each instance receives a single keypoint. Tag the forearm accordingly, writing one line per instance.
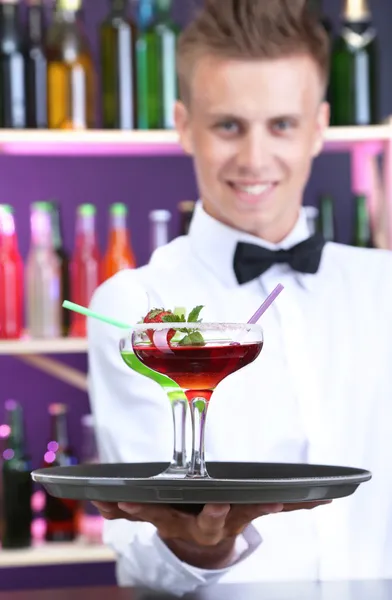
(203, 557)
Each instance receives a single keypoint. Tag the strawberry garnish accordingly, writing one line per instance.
(192, 337)
(157, 315)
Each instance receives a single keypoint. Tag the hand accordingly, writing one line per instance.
(205, 540)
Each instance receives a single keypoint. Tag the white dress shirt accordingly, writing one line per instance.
(320, 392)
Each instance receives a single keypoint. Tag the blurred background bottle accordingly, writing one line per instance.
(63, 257)
(91, 522)
(43, 277)
(12, 67)
(71, 72)
(354, 64)
(85, 265)
(61, 514)
(11, 277)
(118, 68)
(362, 235)
(35, 66)
(119, 253)
(147, 67)
(166, 32)
(159, 228)
(186, 209)
(17, 483)
(326, 218)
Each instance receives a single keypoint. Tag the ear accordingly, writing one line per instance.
(182, 123)
(323, 116)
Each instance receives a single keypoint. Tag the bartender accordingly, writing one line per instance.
(253, 76)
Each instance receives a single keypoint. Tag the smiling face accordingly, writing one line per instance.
(253, 129)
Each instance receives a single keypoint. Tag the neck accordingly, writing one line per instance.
(274, 232)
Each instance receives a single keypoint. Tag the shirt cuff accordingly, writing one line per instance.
(245, 545)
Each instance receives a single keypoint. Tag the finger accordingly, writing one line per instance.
(243, 514)
(108, 511)
(210, 523)
(305, 505)
(151, 513)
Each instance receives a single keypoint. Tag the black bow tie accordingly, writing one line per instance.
(251, 261)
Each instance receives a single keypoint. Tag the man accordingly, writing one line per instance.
(253, 75)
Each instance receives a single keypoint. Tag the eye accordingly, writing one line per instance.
(228, 126)
(283, 125)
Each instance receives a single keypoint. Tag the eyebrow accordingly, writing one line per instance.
(233, 117)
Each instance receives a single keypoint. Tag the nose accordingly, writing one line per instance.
(253, 154)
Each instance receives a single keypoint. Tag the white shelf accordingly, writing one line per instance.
(53, 346)
(147, 143)
(56, 553)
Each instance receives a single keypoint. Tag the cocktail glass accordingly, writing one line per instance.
(197, 356)
(179, 465)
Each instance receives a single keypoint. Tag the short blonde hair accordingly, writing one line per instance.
(251, 30)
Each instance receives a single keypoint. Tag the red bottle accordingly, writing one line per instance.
(85, 266)
(11, 277)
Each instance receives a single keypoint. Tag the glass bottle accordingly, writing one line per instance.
(354, 68)
(326, 219)
(159, 226)
(63, 257)
(17, 482)
(36, 66)
(12, 67)
(61, 514)
(71, 74)
(167, 33)
(119, 254)
(43, 277)
(186, 209)
(85, 266)
(11, 277)
(362, 235)
(147, 68)
(118, 68)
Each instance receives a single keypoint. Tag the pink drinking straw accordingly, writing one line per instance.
(266, 304)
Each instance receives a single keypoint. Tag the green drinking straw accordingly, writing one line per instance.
(172, 389)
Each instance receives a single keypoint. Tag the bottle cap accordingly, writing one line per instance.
(7, 208)
(118, 209)
(87, 210)
(57, 408)
(160, 216)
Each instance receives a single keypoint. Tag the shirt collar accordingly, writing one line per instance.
(214, 243)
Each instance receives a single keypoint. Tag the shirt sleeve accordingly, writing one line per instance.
(134, 424)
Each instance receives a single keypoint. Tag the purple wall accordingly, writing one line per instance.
(144, 184)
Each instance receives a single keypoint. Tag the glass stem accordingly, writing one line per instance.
(199, 407)
(179, 408)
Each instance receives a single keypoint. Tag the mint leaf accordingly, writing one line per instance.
(192, 339)
(197, 339)
(194, 314)
(186, 341)
(170, 319)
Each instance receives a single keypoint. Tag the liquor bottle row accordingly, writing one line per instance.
(48, 78)
(49, 275)
(354, 85)
(64, 520)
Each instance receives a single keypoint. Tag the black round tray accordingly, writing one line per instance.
(230, 483)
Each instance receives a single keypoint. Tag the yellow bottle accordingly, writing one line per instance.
(71, 91)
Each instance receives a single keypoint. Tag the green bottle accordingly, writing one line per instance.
(147, 67)
(64, 263)
(362, 236)
(167, 33)
(354, 65)
(118, 67)
(326, 218)
(17, 483)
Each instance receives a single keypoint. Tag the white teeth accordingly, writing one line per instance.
(255, 190)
